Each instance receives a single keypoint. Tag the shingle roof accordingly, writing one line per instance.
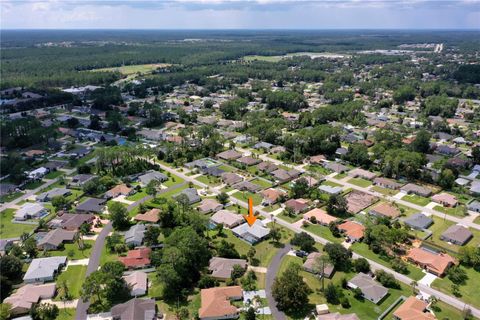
(419, 221)
(56, 237)
(135, 309)
(223, 267)
(216, 301)
(371, 289)
(44, 267)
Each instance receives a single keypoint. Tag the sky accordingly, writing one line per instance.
(236, 14)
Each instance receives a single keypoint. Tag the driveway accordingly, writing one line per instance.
(93, 264)
(271, 274)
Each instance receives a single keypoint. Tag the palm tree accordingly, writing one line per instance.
(414, 285)
(64, 292)
(319, 267)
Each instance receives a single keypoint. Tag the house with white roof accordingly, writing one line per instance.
(30, 211)
(44, 269)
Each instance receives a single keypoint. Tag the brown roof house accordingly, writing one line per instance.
(413, 309)
(297, 205)
(248, 161)
(358, 200)
(151, 216)
(320, 215)
(25, 297)
(353, 230)
(387, 183)
(436, 263)
(371, 289)
(227, 218)
(209, 205)
(120, 190)
(55, 238)
(445, 199)
(216, 303)
(416, 189)
(267, 166)
(138, 283)
(272, 196)
(230, 178)
(229, 155)
(358, 172)
(313, 265)
(71, 221)
(385, 210)
(457, 234)
(221, 268)
(318, 159)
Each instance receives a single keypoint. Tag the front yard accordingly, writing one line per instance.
(469, 291)
(8, 229)
(73, 252)
(244, 195)
(74, 276)
(364, 183)
(413, 198)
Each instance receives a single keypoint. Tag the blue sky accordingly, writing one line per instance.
(233, 14)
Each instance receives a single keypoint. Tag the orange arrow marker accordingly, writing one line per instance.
(250, 217)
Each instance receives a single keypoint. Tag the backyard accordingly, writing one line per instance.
(74, 276)
(8, 229)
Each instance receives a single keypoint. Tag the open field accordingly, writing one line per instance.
(133, 69)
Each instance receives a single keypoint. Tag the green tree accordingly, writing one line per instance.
(422, 141)
(361, 265)
(151, 235)
(227, 250)
(118, 216)
(332, 294)
(289, 289)
(446, 178)
(299, 189)
(223, 198)
(44, 311)
(304, 241)
(152, 187)
(339, 256)
(250, 314)
(61, 203)
(30, 247)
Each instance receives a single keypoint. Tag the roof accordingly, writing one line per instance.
(474, 205)
(92, 205)
(358, 200)
(413, 188)
(44, 267)
(457, 233)
(229, 155)
(222, 267)
(272, 194)
(337, 167)
(226, 218)
(120, 189)
(419, 220)
(136, 258)
(358, 172)
(149, 216)
(82, 178)
(249, 161)
(267, 166)
(135, 309)
(386, 209)
(352, 229)
(30, 294)
(437, 262)
(413, 309)
(317, 159)
(445, 198)
(256, 231)
(311, 262)
(330, 189)
(152, 175)
(136, 280)
(297, 204)
(370, 288)
(71, 220)
(247, 185)
(321, 215)
(387, 182)
(209, 205)
(29, 209)
(135, 234)
(216, 301)
(191, 194)
(57, 236)
(231, 178)
(55, 192)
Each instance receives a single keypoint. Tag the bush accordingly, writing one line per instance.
(344, 302)
(399, 265)
(207, 281)
(361, 265)
(387, 279)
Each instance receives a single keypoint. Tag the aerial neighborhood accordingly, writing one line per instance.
(124, 194)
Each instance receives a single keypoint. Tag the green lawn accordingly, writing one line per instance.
(33, 185)
(10, 197)
(340, 176)
(318, 169)
(322, 231)
(106, 256)
(263, 58)
(362, 249)
(66, 314)
(133, 69)
(244, 195)
(288, 218)
(413, 198)
(137, 196)
(74, 276)
(331, 183)
(262, 183)
(54, 174)
(385, 191)
(209, 180)
(172, 180)
(360, 182)
(272, 207)
(72, 251)
(8, 229)
(438, 227)
(458, 211)
(226, 168)
(469, 292)
(171, 193)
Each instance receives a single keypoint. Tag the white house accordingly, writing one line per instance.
(30, 211)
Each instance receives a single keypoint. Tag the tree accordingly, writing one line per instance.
(320, 264)
(304, 241)
(237, 272)
(457, 275)
(150, 237)
(61, 203)
(476, 154)
(227, 250)
(249, 281)
(340, 257)
(251, 254)
(30, 247)
(332, 293)
(414, 285)
(275, 235)
(119, 216)
(299, 189)
(361, 265)
(337, 205)
(289, 289)
(44, 311)
(250, 314)
(358, 154)
(386, 279)
(152, 187)
(223, 198)
(5, 311)
(422, 141)
(404, 93)
(446, 178)
(470, 256)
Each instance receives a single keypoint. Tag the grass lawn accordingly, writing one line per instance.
(385, 191)
(331, 183)
(72, 251)
(438, 227)
(74, 276)
(340, 176)
(263, 58)
(272, 208)
(469, 291)
(362, 249)
(477, 220)
(66, 314)
(261, 182)
(226, 168)
(322, 231)
(209, 180)
(133, 69)
(413, 198)
(458, 211)
(137, 196)
(288, 218)
(318, 169)
(12, 230)
(244, 195)
(171, 193)
(172, 180)
(54, 174)
(360, 182)
(10, 197)
(33, 185)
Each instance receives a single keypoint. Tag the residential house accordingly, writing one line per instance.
(229, 155)
(353, 230)
(216, 303)
(227, 218)
(387, 183)
(248, 161)
(25, 297)
(385, 210)
(247, 186)
(318, 159)
(320, 215)
(265, 146)
(474, 206)
(55, 238)
(297, 205)
(330, 190)
(30, 211)
(267, 166)
(91, 205)
(191, 195)
(475, 187)
(136, 309)
(371, 289)
(230, 178)
(44, 269)
(37, 174)
(151, 175)
(282, 175)
(358, 172)
(120, 190)
(313, 265)
(151, 216)
(221, 268)
(413, 309)
(456, 234)
(80, 180)
(336, 167)
(252, 234)
(341, 152)
(209, 205)
(71, 221)
(134, 235)
(358, 200)
(436, 263)
(137, 258)
(411, 188)
(138, 283)
(418, 221)
(213, 171)
(55, 192)
(271, 196)
(445, 199)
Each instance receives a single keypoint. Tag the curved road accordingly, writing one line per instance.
(271, 274)
(93, 264)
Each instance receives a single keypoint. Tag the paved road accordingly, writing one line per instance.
(271, 274)
(93, 264)
(374, 265)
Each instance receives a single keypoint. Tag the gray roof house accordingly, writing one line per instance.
(221, 268)
(55, 192)
(148, 176)
(191, 194)
(54, 238)
(371, 289)
(30, 211)
(475, 187)
(251, 234)
(330, 190)
(456, 234)
(418, 221)
(474, 206)
(416, 189)
(335, 166)
(134, 236)
(81, 179)
(93, 205)
(136, 309)
(44, 269)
